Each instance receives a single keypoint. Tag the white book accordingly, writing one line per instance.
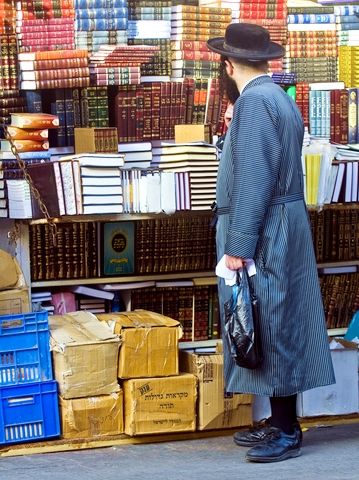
(338, 182)
(355, 182)
(90, 292)
(168, 192)
(348, 182)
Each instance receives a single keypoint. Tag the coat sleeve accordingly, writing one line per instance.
(256, 154)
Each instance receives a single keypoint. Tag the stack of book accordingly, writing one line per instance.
(97, 15)
(190, 23)
(54, 69)
(149, 25)
(35, 33)
(195, 166)
(271, 15)
(119, 64)
(312, 48)
(347, 18)
(98, 181)
(9, 66)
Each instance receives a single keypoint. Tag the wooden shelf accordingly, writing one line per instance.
(198, 278)
(112, 217)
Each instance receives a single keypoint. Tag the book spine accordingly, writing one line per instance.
(343, 116)
(69, 117)
(131, 115)
(60, 63)
(55, 83)
(58, 74)
(101, 24)
(45, 14)
(139, 113)
(195, 55)
(121, 113)
(353, 115)
(53, 54)
(101, 13)
(311, 18)
(156, 107)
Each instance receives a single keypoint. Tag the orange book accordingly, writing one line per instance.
(27, 133)
(52, 54)
(34, 120)
(26, 145)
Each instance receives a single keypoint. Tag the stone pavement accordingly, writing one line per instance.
(328, 453)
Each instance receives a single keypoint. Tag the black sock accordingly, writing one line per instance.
(284, 413)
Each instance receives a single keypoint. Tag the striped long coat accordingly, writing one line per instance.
(261, 159)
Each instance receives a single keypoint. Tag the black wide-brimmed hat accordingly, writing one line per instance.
(247, 41)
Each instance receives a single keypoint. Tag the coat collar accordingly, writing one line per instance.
(265, 78)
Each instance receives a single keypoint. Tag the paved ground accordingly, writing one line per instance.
(328, 453)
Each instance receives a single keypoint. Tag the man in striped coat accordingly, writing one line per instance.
(262, 215)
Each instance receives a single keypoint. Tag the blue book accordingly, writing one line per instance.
(33, 100)
(347, 19)
(118, 248)
(110, 4)
(101, 13)
(311, 18)
(101, 24)
(348, 26)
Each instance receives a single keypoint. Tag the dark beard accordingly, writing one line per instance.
(227, 85)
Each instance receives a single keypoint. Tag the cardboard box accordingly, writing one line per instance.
(92, 416)
(340, 398)
(193, 133)
(84, 354)
(92, 140)
(15, 301)
(215, 408)
(160, 405)
(149, 343)
(14, 294)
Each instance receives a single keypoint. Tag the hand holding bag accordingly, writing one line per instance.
(241, 323)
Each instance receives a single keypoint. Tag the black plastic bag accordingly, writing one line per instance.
(242, 324)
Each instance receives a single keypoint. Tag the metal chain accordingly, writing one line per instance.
(33, 189)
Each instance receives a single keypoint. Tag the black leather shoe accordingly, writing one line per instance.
(258, 433)
(276, 447)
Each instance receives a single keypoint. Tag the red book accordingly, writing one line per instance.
(147, 111)
(183, 103)
(139, 113)
(164, 86)
(27, 133)
(193, 45)
(34, 120)
(58, 63)
(131, 113)
(26, 145)
(49, 55)
(190, 101)
(55, 83)
(343, 116)
(156, 109)
(121, 109)
(195, 55)
(45, 14)
(57, 73)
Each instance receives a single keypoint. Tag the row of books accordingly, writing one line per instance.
(340, 298)
(195, 307)
(87, 249)
(335, 234)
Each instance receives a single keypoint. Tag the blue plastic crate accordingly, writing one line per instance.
(29, 412)
(25, 349)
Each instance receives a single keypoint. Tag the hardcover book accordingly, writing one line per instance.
(118, 248)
